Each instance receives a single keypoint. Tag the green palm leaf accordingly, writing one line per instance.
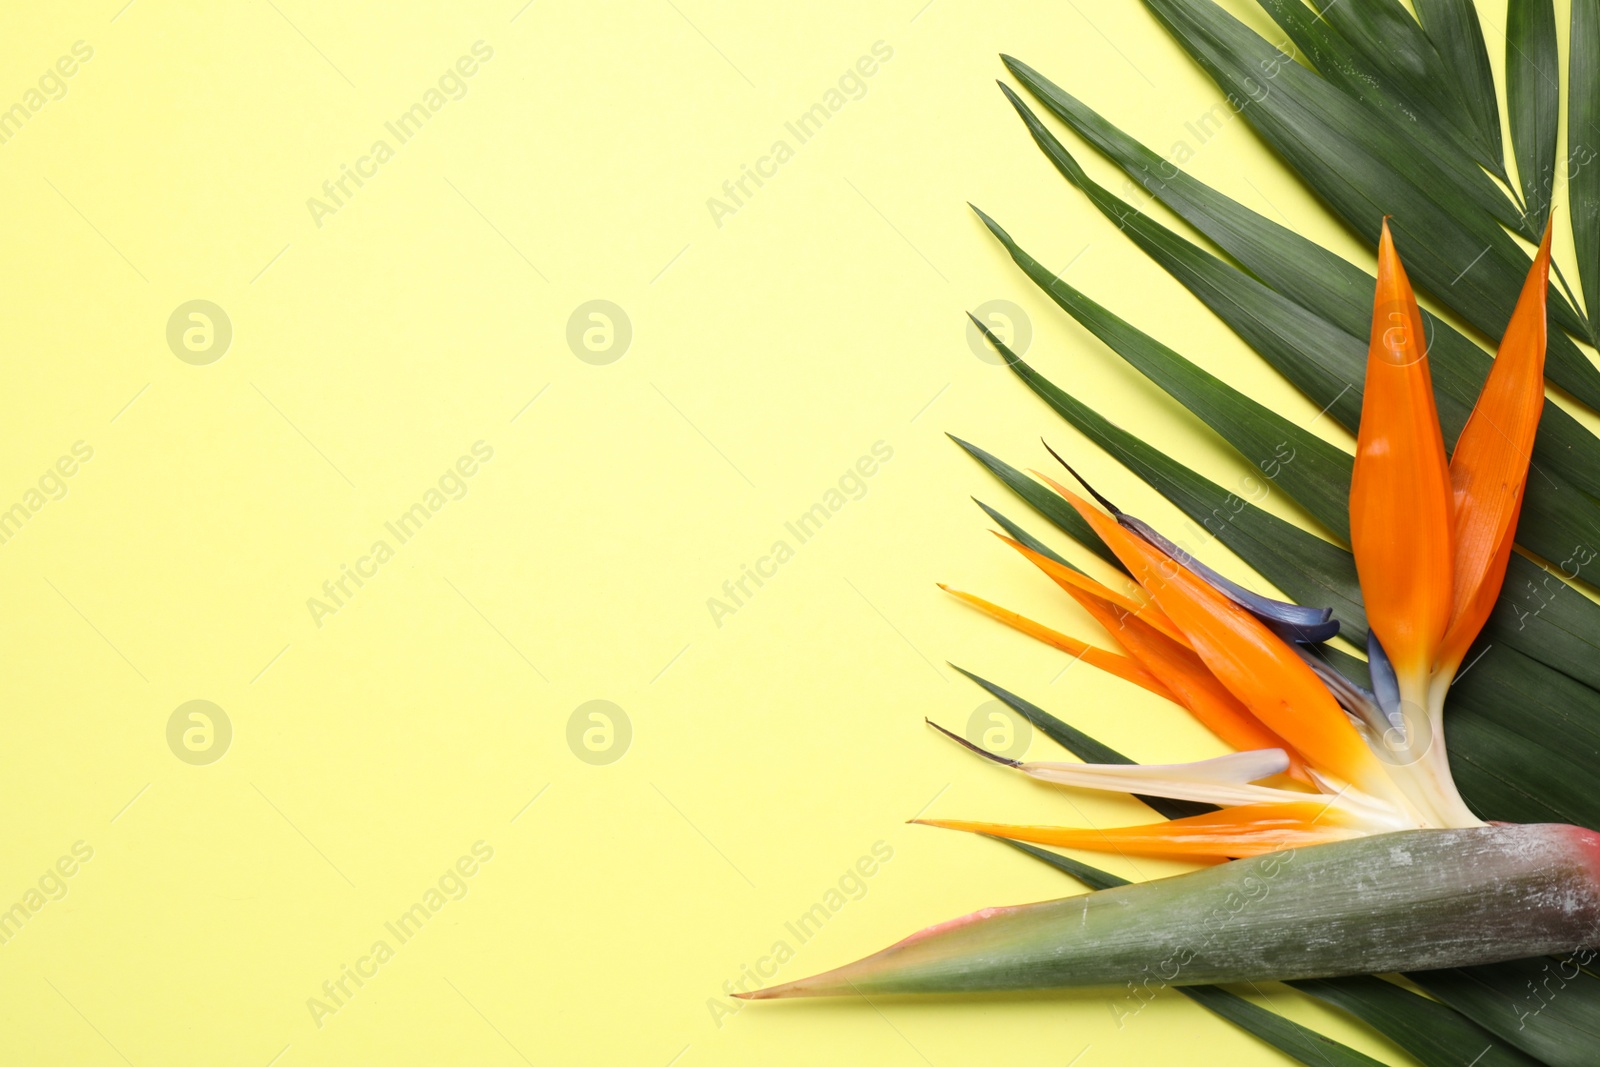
(1364, 171)
(1583, 148)
(1452, 26)
(1533, 92)
(1392, 114)
(1555, 517)
(1329, 292)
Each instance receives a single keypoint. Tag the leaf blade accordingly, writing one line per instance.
(1082, 745)
(1583, 137)
(1562, 1031)
(1456, 249)
(1533, 100)
(1557, 520)
(1454, 28)
(1312, 278)
(1041, 500)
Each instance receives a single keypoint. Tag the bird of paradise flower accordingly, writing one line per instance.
(1340, 794)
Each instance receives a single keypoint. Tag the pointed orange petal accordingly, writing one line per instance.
(1185, 676)
(1069, 579)
(1489, 468)
(1121, 666)
(1248, 830)
(1400, 506)
(1251, 661)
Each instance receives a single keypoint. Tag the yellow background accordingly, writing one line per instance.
(769, 353)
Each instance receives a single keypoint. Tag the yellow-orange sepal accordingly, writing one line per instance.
(1253, 663)
(1489, 468)
(1249, 830)
(1400, 496)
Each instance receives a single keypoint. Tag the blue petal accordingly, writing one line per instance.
(1292, 622)
(1385, 686)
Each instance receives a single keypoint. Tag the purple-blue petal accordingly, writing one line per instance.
(1292, 622)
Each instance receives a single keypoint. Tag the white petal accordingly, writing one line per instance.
(1224, 780)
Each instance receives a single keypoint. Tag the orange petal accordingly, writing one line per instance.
(1185, 676)
(1248, 830)
(1121, 666)
(1069, 579)
(1489, 468)
(1400, 504)
(1250, 660)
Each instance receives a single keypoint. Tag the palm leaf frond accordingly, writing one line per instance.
(1390, 115)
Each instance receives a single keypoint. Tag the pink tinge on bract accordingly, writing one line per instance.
(831, 983)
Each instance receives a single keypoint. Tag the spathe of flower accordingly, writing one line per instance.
(1413, 901)
(1378, 864)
